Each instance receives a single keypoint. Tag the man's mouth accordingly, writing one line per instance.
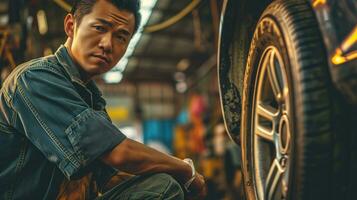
(105, 59)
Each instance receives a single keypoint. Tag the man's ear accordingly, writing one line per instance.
(69, 23)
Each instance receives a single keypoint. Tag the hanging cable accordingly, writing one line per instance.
(169, 22)
(152, 28)
(63, 5)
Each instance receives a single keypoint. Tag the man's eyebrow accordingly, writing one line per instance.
(103, 21)
(121, 31)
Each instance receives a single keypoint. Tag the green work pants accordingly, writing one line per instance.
(156, 186)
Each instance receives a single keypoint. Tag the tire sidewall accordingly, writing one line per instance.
(265, 35)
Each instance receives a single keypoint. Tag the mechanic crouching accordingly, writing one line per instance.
(54, 129)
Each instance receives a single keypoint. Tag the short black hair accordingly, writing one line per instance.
(84, 7)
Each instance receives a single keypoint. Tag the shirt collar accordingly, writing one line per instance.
(66, 61)
(72, 70)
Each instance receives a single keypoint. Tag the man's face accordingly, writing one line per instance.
(101, 38)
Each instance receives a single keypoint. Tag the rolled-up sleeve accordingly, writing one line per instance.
(55, 118)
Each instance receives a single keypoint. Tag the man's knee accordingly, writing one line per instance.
(154, 186)
(172, 189)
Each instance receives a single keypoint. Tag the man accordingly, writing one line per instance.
(53, 124)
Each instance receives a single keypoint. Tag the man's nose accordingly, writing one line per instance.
(106, 43)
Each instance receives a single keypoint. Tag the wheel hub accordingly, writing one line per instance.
(272, 128)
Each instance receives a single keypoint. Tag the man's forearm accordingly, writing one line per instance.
(135, 158)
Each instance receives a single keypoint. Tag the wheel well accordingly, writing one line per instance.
(237, 28)
(246, 15)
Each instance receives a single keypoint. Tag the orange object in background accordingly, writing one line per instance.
(180, 142)
(197, 108)
(196, 137)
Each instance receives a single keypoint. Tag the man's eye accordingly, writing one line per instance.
(121, 38)
(99, 28)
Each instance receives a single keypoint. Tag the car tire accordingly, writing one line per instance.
(287, 107)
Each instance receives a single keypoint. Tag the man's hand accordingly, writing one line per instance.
(197, 188)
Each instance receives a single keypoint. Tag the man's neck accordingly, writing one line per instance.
(84, 76)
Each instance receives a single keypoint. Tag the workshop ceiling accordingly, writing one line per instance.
(189, 41)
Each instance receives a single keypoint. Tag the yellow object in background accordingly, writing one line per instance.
(210, 167)
(118, 113)
(180, 142)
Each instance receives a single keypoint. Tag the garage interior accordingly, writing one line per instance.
(164, 91)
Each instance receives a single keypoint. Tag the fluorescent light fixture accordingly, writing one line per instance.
(146, 9)
(42, 22)
(113, 77)
(4, 20)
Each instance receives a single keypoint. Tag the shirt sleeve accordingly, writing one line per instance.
(55, 118)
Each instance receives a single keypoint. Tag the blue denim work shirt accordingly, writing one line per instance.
(53, 127)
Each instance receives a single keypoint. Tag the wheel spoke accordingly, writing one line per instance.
(271, 127)
(270, 116)
(273, 179)
(264, 133)
(268, 112)
(274, 76)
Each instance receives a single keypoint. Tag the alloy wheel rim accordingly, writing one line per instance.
(271, 127)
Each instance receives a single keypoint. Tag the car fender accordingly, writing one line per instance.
(231, 85)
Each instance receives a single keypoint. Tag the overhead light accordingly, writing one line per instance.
(316, 3)
(4, 20)
(179, 76)
(146, 9)
(120, 67)
(42, 22)
(183, 64)
(181, 87)
(29, 22)
(113, 77)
